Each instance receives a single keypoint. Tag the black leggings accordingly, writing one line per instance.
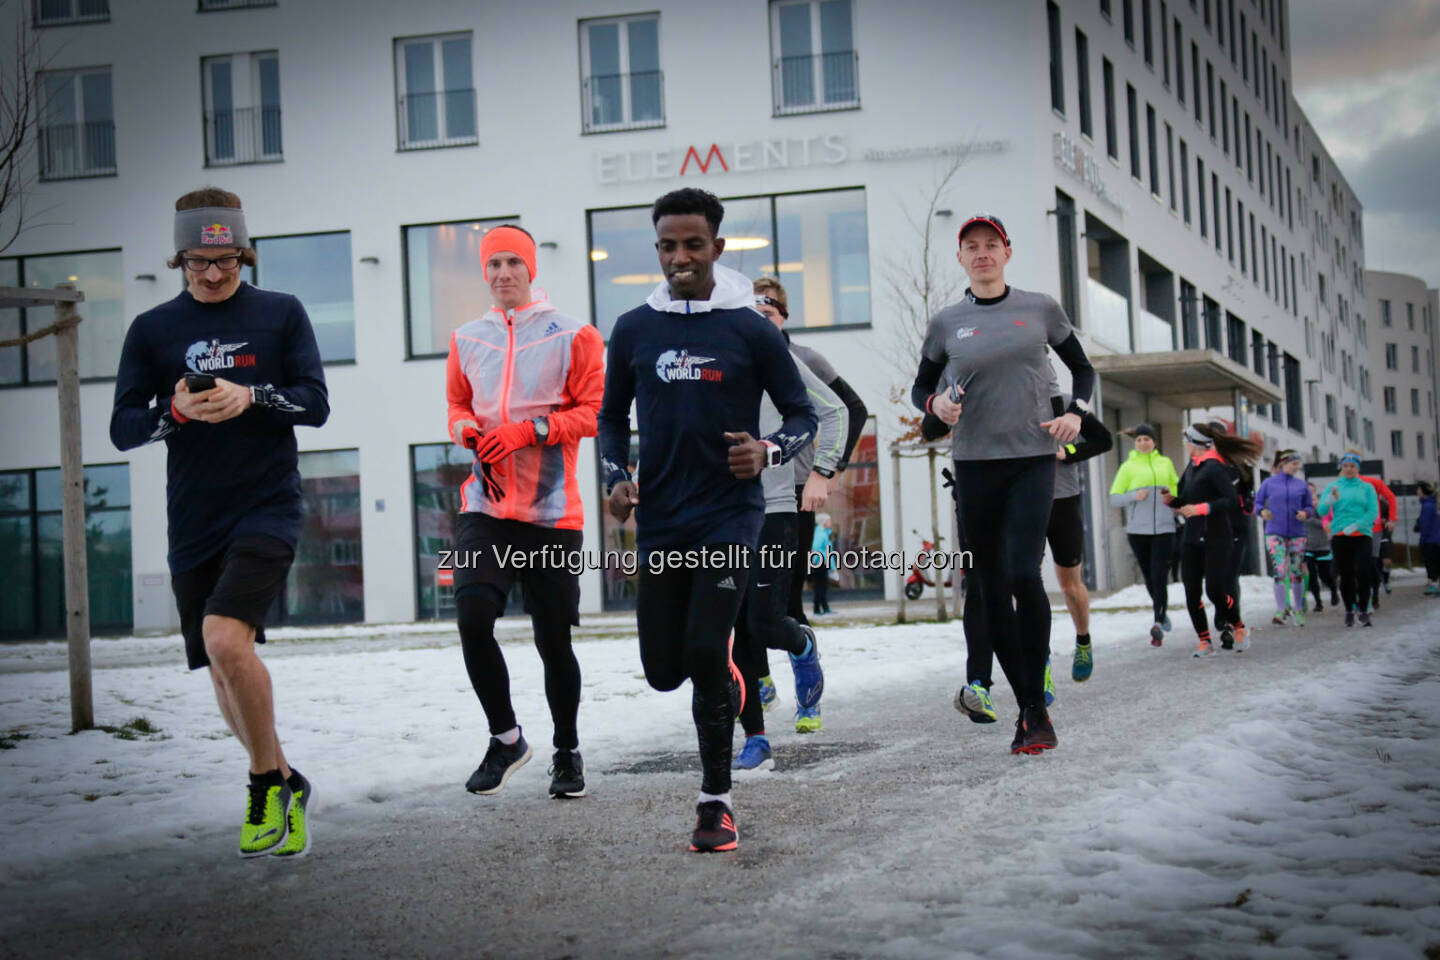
(685, 617)
(800, 569)
(1431, 553)
(1353, 563)
(1321, 571)
(477, 606)
(763, 623)
(1206, 570)
(1005, 506)
(1153, 553)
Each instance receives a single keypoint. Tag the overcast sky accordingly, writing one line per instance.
(1367, 73)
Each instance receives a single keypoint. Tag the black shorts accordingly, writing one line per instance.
(1382, 547)
(241, 581)
(488, 551)
(1066, 533)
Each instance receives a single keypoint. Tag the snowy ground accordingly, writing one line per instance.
(1292, 809)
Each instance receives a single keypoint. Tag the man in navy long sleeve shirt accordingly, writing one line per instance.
(695, 358)
(233, 479)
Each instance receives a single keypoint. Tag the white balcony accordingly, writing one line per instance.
(1108, 314)
(1152, 335)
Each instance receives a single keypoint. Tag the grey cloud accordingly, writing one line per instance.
(1399, 177)
(1334, 40)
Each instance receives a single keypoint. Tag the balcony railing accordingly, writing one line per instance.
(816, 82)
(1109, 315)
(246, 135)
(77, 150)
(53, 13)
(624, 101)
(1152, 334)
(444, 118)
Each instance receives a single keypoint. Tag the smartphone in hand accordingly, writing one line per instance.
(199, 382)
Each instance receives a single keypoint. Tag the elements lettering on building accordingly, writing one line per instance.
(207, 356)
(1072, 156)
(715, 158)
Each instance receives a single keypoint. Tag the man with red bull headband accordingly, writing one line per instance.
(523, 383)
(223, 373)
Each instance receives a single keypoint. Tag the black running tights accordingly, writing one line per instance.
(1152, 553)
(1320, 572)
(685, 618)
(1353, 563)
(477, 607)
(1206, 570)
(763, 623)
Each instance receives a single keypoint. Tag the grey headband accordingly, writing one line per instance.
(210, 227)
(1196, 438)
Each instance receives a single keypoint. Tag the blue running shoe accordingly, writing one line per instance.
(809, 679)
(768, 693)
(755, 755)
(1165, 624)
(1083, 664)
(1049, 685)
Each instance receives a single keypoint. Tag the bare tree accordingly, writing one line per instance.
(20, 109)
(919, 282)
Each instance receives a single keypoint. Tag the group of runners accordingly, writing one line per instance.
(742, 435)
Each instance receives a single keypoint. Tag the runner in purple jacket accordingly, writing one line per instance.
(1284, 502)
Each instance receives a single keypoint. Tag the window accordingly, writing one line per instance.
(1229, 226)
(1194, 76)
(1369, 435)
(1349, 423)
(31, 539)
(437, 471)
(444, 282)
(1294, 410)
(1180, 64)
(1215, 204)
(1397, 443)
(1224, 122)
(1154, 150)
(816, 243)
(101, 334)
(1392, 361)
(76, 124)
(1105, 9)
(326, 583)
(817, 67)
(242, 108)
(1146, 33)
(1241, 207)
(1414, 359)
(1184, 182)
(54, 13)
(1200, 195)
(1127, 15)
(1057, 65)
(1133, 110)
(1170, 163)
(1385, 318)
(1107, 81)
(1165, 39)
(436, 89)
(620, 63)
(1330, 420)
(1414, 402)
(315, 267)
(1257, 351)
(1210, 94)
(1388, 395)
(1082, 82)
(1410, 316)
(1235, 336)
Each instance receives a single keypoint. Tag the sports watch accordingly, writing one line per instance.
(827, 474)
(772, 454)
(542, 430)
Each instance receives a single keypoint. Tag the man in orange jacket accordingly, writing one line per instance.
(524, 383)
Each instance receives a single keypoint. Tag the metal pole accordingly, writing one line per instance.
(72, 484)
(940, 615)
(900, 571)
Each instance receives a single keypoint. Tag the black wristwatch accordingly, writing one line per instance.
(542, 430)
(827, 474)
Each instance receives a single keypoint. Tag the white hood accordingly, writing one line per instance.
(732, 290)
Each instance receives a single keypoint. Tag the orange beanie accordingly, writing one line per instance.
(511, 239)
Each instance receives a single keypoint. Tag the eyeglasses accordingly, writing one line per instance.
(201, 264)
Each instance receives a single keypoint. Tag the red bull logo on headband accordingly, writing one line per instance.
(216, 235)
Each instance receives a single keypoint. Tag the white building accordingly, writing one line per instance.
(1147, 157)
(1403, 354)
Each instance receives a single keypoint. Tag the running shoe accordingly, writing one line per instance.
(1083, 663)
(974, 701)
(1364, 618)
(1349, 618)
(1017, 744)
(1387, 586)
(1433, 590)
(501, 761)
(1049, 684)
(1157, 635)
(264, 828)
(1227, 637)
(1242, 639)
(807, 719)
(1039, 733)
(755, 755)
(715, 830)
(809, 678)
(1278, 620)
(768, 693)
(1298, 615)
(1318, 607)
(1165, 624)
(297, 821)
(1334, 599)
(567, 775)
(1204, 649)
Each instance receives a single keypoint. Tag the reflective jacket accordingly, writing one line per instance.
(516, 365)
(1151, 471)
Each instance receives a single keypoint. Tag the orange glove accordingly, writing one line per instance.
(505, 440)
(466, 433)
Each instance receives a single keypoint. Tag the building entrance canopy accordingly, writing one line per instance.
(1186, 378)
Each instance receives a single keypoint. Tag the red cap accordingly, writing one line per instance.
(988, 219)
(511, 239)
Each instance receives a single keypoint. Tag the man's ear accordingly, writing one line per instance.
(719, 246)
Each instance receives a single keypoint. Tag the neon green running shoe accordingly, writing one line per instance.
(1084, 663)
(264, 827)
(1049, 685)
(297, 822)
(1298, 615)
(807, 719)
(974, 701)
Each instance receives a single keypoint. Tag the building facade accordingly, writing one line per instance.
(1403, 354)
(1153, 169)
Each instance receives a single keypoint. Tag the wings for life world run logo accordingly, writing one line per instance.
(674, 365)
(207, 356)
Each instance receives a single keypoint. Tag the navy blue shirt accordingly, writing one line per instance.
(695, 377)
(240, 477)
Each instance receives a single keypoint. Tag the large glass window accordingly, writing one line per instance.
(103, 314)
(855, 516)
(77, 124)
(327, 580)
(437, 471)
(816, 243)
(316, 268)
(436, 89)
(242, 108)
(620, 66)
(445, 281)
(815, 63)
(51, 13)
(31, 539)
